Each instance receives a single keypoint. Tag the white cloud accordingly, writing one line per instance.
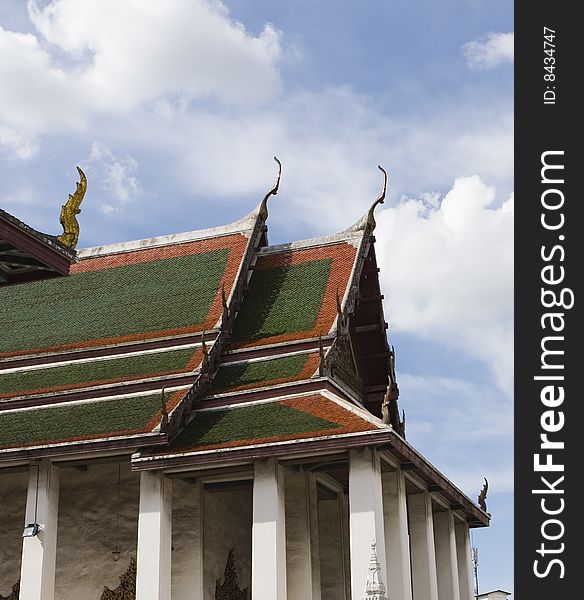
(489, 51)
(94, 57)
(115, 175)
(463, 428)
(448, 272)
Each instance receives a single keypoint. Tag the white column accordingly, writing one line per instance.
(365, 517)
(463, 553)
(37, 572)
(268, 553)
(397, 543)
(299, 537)
(424, 578)
(154, 537)
(446, 560)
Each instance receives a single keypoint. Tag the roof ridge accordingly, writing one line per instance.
(243, 225)
(349, 236)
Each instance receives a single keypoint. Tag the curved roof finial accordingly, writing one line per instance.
(272, 192)
(482, 499)
(380, 199)
(69, 212)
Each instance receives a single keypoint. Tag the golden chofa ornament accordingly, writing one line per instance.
(69, 212)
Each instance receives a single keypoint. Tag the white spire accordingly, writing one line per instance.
(374, 588)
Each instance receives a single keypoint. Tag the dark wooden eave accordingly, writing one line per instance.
(383, 439)
(27, 254)
(83, 447)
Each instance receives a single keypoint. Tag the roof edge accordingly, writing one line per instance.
(245, 225)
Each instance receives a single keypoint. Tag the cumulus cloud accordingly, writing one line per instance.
(470, 416)
(91, 57)
(448, 272)
(489, 51)
(115, 175)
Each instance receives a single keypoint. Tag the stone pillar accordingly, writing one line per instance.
(446, 560)
(365, 517)
(424, 578)
(299, 537)
(464, 558)
(154, 537)
(37, 572)
(268, 552)
(397, 543)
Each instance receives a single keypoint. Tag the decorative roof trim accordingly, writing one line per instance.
(119, 442)
(350, 237)
(44, 358)
(216, 452)
(367, 221)
(48, 240)
(89, 391)
(245, 226)
(104, 357)
(284, 354)
(113, 398)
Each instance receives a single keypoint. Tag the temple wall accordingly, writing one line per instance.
(87, 532)
(12, 503)
(330, 532)
(227, 525)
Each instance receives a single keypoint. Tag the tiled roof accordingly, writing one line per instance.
(77, 421)
(292, 418)
(292, 294)
(259, 373)
(137, 295)
(80, 374)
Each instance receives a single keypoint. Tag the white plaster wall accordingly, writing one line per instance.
(185, 558)
(87, 532)
(12, 506)
(227, 520)
(330, 531)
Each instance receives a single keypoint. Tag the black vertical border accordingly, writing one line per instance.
(540, 128)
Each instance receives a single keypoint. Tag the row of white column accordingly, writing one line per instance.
(422, 555)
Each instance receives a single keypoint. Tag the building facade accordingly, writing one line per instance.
(205, 416)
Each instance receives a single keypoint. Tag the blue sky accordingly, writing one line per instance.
(174, 110)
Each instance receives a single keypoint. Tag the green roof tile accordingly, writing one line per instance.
(282, 300)
(250, 374)
(248, 423)
(92, 373)
(77, 421)
(126, 300)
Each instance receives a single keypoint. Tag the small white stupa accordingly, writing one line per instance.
(374, 589)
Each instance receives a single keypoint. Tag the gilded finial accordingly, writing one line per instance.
(273, 191)
(380, 200)
(483, 495)
(69, 212)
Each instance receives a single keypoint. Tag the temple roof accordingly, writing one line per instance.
(126, 296)
(201, 345)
